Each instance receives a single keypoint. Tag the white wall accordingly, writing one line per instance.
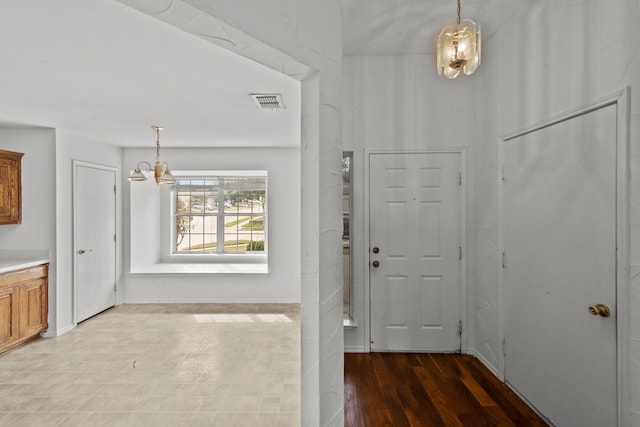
(399, 103)
(547, 60)
(282, 284)
(70, 147)
(38, 228)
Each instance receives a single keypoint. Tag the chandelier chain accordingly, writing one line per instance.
(458, 12)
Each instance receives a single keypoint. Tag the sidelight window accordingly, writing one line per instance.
(347, 203)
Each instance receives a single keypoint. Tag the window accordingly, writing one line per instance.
(220, 213)
(347, 186)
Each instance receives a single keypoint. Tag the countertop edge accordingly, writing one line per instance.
(14, 264)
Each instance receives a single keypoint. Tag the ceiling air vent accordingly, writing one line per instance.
(268, 101)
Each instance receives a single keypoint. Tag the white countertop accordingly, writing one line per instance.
(17, 260)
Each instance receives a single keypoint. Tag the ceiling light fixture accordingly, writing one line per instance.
(160, 170)
(458, 48)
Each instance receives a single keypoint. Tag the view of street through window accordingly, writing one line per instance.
(200, 205)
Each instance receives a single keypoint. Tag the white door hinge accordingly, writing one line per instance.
(459, 253)
(504, 260)
(460, 179)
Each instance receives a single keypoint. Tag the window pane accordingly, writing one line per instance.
(183, 231)
(256, 244)
(196, 241)
(240, 231)
(242, 204)
(196, 233)
(244, 194)
(196, 194)
(183, 202)
(210, 224)
(254, 224)
(209, 244)
(347, 175)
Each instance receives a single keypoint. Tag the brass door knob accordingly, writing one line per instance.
(600, 310)
(375, 264)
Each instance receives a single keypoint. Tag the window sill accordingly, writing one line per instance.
(349, 323)
(224, 259)
(201, 268)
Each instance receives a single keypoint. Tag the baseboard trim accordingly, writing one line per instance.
(485, 362)
(209, 301)
(57, 332)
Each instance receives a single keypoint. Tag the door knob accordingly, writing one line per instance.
(375, 250)
(600, 310)
(81, 251)
(375, 264)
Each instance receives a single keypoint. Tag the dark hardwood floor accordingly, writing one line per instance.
(410, 389)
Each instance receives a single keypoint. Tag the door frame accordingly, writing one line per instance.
(75, 165)
(461, 153)
(621, 100)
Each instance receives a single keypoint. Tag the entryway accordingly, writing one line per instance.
(427, 390)
(415, 251)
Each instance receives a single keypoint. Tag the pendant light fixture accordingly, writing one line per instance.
(161, 170)
(458, 48)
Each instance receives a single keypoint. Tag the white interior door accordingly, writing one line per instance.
(415, 250)
(560, 252)
(95, 245)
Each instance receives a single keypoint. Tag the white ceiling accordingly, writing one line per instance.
(101, 69)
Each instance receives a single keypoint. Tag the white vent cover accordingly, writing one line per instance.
(268, 101)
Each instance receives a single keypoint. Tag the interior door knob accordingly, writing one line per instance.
(376, 250)
(375, 264)
(600, 310)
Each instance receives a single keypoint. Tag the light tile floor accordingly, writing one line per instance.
(160, 365)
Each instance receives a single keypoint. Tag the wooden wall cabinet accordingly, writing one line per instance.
(10, 187)
(23, 305)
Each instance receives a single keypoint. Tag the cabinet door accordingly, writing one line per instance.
(9, 331)
(33, 310)
(10, 187)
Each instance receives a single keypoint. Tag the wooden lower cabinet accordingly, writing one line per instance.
(23, 305)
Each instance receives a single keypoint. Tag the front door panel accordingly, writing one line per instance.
(415, 229)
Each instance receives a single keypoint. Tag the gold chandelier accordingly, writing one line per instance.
(458, 48)
(161, 170)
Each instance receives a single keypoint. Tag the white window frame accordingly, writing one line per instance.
(169, 206)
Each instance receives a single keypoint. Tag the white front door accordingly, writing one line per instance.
(559, 206)
(415, 250)
(95, 245)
